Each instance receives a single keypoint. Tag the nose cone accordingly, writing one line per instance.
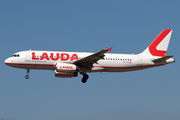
(7, 61)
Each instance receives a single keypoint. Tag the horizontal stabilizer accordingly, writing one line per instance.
(162, 59)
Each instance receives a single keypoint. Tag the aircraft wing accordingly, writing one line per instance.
(91, 59)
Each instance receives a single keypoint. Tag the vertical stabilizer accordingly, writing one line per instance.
(160, 45)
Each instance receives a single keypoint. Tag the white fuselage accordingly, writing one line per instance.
(47, 60)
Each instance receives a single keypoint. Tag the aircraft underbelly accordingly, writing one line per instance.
(30, 65)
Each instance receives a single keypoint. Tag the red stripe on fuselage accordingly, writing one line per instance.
(30, 64)
(127, 67)
(93, 66)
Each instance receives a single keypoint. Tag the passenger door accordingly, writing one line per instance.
(27, 56)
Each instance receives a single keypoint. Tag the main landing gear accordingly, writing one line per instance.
(85, 77)
(27, 76)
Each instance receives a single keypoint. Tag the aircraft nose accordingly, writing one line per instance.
(7, 61)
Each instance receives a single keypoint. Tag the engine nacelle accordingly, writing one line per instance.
(65, 67)
(66, 74)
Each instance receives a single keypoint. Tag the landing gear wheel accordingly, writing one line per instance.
(84, 79)
(27, 76)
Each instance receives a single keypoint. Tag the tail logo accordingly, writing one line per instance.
(153, 47)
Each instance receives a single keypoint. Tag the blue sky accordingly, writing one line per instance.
(88, 26)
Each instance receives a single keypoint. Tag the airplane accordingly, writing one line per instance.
(69, 64)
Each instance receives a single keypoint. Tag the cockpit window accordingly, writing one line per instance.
(15, 55)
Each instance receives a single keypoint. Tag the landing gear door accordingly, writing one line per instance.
(139, 60)
(27, 56)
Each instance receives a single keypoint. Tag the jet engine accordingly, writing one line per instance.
(66, 67)
(66, 70)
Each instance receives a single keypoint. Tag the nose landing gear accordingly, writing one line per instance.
(27, 76)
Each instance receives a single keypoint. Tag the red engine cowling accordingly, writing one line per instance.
(66, 74)
(65, 67)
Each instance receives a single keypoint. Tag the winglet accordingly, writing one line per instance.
(109, 49)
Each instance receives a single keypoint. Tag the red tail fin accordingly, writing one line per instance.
(159, 46)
